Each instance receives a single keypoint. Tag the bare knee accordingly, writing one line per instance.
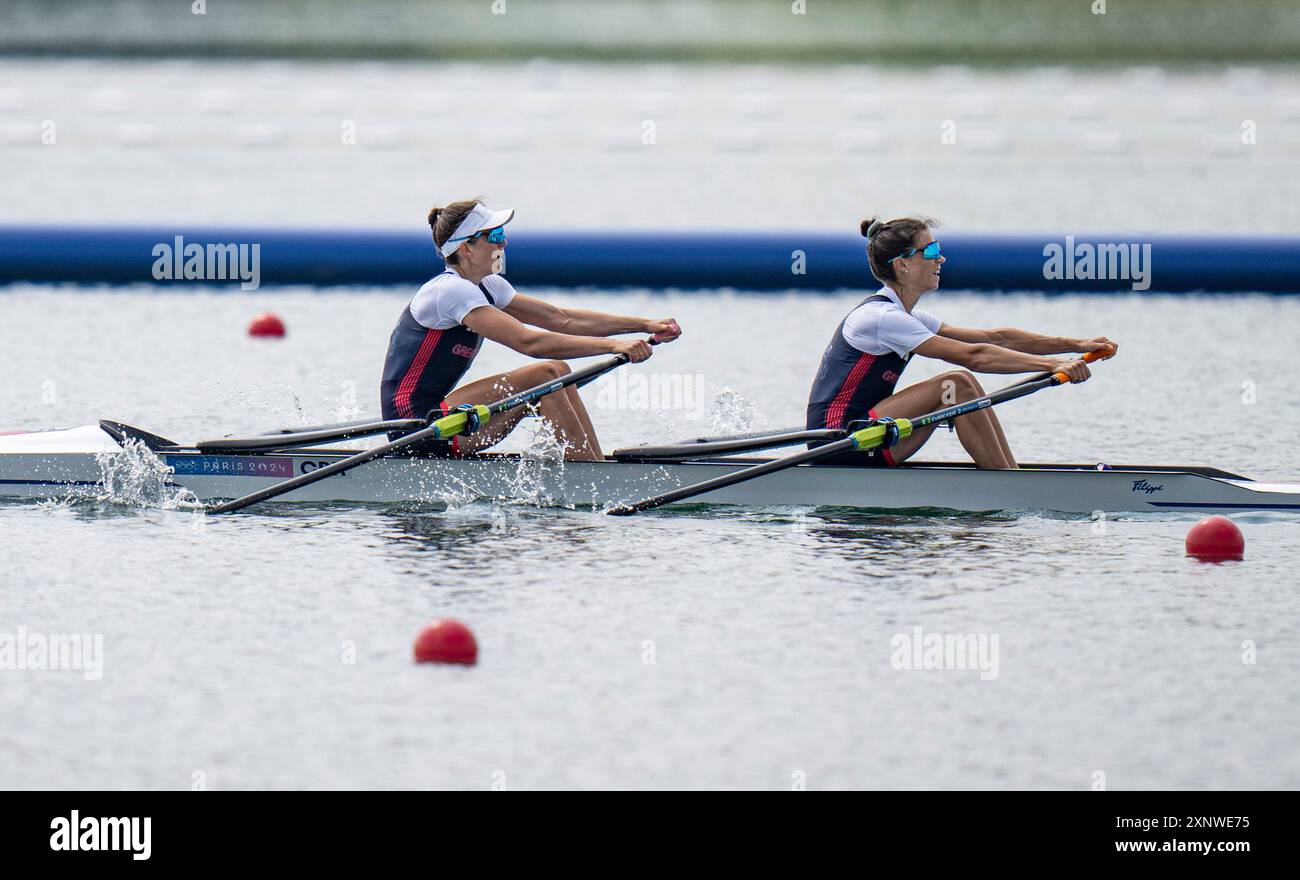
(957, 386)
(536, 374)
(554, 369)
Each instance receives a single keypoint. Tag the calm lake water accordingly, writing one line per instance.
(272, 649)
(744, 648)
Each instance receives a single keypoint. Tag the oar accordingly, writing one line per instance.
(1039, 376)
(864, 439)
(449, 425)
(289, 439)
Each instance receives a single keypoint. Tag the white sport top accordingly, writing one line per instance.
(877, 327)
(445, 300)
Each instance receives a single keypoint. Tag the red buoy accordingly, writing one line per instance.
(1214, 539)
(446, 641)
(266, 325)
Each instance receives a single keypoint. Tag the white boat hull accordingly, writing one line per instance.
(49, 464)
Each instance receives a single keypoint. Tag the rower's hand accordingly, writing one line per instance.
(636, 350)
(1077, 370)
(665, 330)
(1097, 343)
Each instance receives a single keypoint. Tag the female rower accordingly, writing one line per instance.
(873, 343)
(440, 331)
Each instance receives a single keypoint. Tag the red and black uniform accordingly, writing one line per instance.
(425, 363)
(862, 365)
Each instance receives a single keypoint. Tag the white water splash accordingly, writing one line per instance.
(541, 461)
(731, 413)
(136, 477)
(455, 493)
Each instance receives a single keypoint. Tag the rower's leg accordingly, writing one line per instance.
(1002, 438)
(580, 409)
(565, 411)
(979, 435)
(486, 390)
(906, 448)
(923, 397)
(981, 428)
(570, 418)
(974, 389)
(574, 430)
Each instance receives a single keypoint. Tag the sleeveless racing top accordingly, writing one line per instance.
(850, 381)
(424, 363)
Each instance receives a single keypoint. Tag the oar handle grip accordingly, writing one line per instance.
(1088, 357)
(622, 358)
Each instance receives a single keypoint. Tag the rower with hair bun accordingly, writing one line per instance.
(873, 344)
(438, 335)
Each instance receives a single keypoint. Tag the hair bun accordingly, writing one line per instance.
(869, 228)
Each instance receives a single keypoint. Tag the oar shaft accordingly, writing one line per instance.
(739, 476)
(1011, 392)
(433, 432)
(1017, 389)
(1089, 357)
(314, 476)
(866, 438)
(849, 443)
(829, 449)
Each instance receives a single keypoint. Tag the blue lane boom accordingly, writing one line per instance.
(700, 260)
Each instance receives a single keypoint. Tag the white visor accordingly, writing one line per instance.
(480, 217)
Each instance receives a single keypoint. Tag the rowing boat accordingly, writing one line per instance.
(48, 464)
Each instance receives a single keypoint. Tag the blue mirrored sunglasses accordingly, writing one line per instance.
(930, 252)
(494, 236)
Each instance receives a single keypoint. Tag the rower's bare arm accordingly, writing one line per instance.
(1008, 337)
(499, 326)
(985, 357)
(576, 322)
(1024, 340)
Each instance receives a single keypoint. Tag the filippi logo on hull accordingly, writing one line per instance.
(1108, 261)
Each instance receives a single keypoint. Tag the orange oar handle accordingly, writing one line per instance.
(1088, 357)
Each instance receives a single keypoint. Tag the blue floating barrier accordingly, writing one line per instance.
(685, 260)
